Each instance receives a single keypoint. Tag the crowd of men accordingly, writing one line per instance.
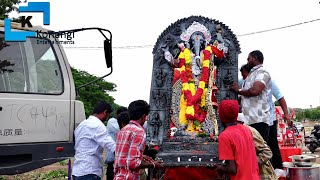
(249, 142)
(248, 145)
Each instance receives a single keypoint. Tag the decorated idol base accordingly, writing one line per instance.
(195, 60)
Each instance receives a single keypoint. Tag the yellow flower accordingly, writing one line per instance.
(182, 114)
(209, 49)
(203, 98)
(183, 68)
(192, 88)
(206, 63)
(185, 86)
(198, 128)
(202, 85)
(181, 55)
(190, 110)
(187, 56)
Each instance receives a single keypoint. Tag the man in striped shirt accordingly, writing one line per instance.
(130, 144)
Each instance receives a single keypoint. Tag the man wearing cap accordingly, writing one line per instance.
(236, 145)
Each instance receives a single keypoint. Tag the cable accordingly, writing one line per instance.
(274, 29)
(241, 35)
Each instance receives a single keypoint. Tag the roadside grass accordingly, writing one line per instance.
(58, 174)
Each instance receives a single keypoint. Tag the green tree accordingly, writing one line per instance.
(93, 93)
(6, 7)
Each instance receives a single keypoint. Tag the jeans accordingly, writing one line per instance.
(276, 160)
(86, 177)
(263, 129)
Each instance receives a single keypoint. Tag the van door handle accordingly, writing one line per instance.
(0, 108)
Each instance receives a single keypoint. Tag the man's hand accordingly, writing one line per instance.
(147, 158)
(235, 87)
(216, 167)
(286, 117)
(158, 164)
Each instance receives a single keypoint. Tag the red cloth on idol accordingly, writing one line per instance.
(236, 143)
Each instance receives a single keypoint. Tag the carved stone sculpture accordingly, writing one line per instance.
(194, 61)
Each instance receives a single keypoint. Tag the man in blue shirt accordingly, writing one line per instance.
(112, 129)
(272, 141)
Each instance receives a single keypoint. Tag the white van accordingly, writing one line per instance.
(38, 106)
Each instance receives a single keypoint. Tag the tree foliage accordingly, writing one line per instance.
(6, 7)
(312, 114)
(93, 93)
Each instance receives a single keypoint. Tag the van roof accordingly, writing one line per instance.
(15, 25)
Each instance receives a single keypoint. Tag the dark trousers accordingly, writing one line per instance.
(110, 172)
(86, 177)
(263, 129)
(276, 160)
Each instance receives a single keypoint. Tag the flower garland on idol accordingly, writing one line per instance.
(193, 102)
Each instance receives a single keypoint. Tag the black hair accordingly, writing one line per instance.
(101, 107)
(258, 55)
(245, 67)
(121, 109)
(123, 118)
(137, 109)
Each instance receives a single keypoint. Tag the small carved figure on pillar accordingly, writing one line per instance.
(156, 123)
(159, 98)
(160, 77)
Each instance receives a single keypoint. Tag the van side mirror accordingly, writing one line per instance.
(108, 52)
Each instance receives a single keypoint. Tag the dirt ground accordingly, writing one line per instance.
(36, 174)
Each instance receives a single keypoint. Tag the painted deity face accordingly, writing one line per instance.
(197, 43)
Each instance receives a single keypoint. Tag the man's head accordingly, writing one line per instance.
(123, 119)
(121, 109)
(102, 110)
(228, 111)
(244, 71)
(138, 111)
(255, 58)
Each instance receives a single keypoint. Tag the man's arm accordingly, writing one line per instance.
(134, 154)
(284, 108)
(113, 126)
(260, 82)
(255, 90)
(229, 168)
(226, 153)
(104, 139)
(280, 98)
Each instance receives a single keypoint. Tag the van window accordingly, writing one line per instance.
(29, 67)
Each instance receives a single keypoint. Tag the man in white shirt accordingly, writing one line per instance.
(91, 137)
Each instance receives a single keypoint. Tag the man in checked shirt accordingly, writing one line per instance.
(130, 144)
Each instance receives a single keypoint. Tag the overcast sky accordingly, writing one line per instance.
(292, 55)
